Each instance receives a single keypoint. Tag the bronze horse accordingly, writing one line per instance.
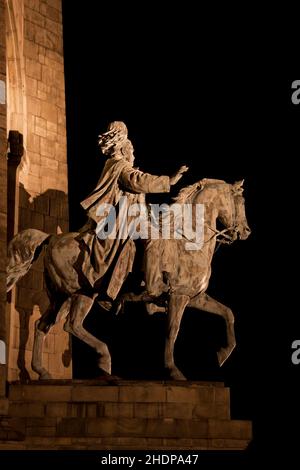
(187, 283)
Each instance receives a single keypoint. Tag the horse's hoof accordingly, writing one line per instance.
(108, 378)
(223, 355)
(153, 308)
(176, 375)
(45, 376)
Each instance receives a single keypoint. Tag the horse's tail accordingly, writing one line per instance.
(23, 250)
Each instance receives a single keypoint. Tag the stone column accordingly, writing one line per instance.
(36, 109)
(3, 208)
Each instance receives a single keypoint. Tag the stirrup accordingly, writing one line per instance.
(105, 304)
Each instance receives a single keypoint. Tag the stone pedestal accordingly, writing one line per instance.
(129, 415)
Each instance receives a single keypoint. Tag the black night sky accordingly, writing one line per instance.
(186, 99)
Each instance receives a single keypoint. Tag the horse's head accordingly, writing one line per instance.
(232, 211)
(221, 201)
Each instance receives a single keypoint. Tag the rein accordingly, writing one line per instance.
(222, 236)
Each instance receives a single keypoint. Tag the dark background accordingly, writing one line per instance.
(187, 99)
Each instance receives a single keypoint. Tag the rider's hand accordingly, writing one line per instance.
(175, 178)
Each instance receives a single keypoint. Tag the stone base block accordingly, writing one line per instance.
(129, 415)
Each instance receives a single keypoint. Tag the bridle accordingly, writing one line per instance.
(229, 234)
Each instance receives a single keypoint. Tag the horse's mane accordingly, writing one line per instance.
(187, 193)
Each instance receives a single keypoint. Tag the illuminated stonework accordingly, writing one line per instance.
(36, 108)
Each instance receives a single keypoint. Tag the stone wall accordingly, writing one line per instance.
(42, 200)
(3, 196)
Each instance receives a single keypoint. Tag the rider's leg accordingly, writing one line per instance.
(154, 280)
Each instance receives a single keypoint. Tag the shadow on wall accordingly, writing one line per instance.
(47, 212)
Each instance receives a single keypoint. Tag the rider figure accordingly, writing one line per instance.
(118, 179)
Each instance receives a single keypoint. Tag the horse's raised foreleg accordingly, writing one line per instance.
(42, 328)
(208, 304)
(80, 307)
(176, 307)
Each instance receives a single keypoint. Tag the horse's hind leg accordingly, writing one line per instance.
(149, 300)
(80, 307)
(42, 328)
(208, 304)
(176, 307)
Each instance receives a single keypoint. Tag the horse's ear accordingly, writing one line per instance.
(238, 187)
(238, 184)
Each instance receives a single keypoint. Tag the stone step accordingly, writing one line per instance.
(34, 409)
(147, 392)
(125, 415)
(133, 427)
(125, 443)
